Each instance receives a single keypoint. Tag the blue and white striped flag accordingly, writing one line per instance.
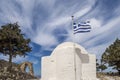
(81, 27)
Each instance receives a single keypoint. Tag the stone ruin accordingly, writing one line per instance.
(18, 71)
(24, 65)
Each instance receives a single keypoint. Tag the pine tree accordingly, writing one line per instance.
(111, 55)
(100, 66)
(13, 42)
(97, 65)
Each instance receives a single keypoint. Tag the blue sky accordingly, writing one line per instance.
(48, 23)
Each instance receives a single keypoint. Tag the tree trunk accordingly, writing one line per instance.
(119, 72)
(10, 62)
(10, 58)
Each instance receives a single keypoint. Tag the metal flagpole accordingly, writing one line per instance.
(73, 35)
(73, 30)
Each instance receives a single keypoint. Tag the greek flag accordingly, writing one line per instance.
(81, 27)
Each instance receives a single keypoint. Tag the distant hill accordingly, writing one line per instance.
(14, 74)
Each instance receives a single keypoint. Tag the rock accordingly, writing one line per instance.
(103, 76)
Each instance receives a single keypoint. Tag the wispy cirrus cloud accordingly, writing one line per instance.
(104, 31)
(23, 12)
(106, 35)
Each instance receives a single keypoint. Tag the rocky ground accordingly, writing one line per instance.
(103, 76)
(14, 73)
